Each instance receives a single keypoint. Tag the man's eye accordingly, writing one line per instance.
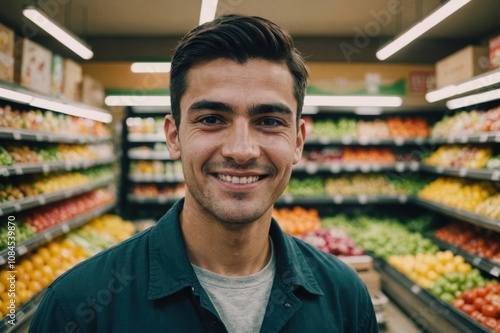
(210, 120)
(271, 122)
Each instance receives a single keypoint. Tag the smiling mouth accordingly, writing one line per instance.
(239, 180)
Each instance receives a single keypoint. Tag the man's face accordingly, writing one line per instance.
(237, 139)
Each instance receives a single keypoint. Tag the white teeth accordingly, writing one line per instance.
(239, 180)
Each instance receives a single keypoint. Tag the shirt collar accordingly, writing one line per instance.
(170, 269)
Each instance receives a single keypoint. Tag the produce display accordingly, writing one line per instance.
(482, 303)
(425, 268)
(297, 220)
(459, 193)
(40, 184)
(451, 285)
(148, 125)
(62, 211)
(482, 242)
(29, 153)
(385, 236)
(393, 127)
(466, 122)
(332, 240)
(23, 232)
(474, 157)
(51, 122)
(369, 184)
(493, 162)
(172, 169)
(355, 155)
(38, 269)
(154, 191)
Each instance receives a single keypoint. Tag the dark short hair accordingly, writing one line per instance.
(239, 38)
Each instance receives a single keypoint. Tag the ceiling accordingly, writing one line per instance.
(125, 30)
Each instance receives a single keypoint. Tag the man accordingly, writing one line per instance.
(217, 262)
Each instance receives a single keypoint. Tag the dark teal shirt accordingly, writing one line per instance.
(147, 284)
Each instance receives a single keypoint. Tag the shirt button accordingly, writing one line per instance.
(287, 305)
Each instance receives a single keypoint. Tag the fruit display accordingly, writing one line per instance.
(5, 158)
(451, 285)
(51, 122)
(489, 207)
(172, 169)
(482, 242)
(375, 129)
(493, 162)
(154, 191)
(62, 211)
(376, 155)
(148, 125)
(384, 236)
(368, 155)
(408, 127)
(482, 303)
(459, 193)
(473, 157)
(23, 232)
(425, 268)
(369, 184)
(343, 127)
(42, 184)
(37, 270)
(466, 122)
(310, 186)
(332, 240)
(297, 220)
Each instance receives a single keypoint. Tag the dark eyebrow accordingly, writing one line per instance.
(211, 105)
(270, 108)
(254, 110)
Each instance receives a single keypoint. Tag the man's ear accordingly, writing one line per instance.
(299, 144)
(172, 136)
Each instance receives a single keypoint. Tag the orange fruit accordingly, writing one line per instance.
(35, 286)
(44, 253)
(37, 260)
(54, 263)
(54, 248)
(35, 275)
(2, 287)
(21, 285)
(27, 265)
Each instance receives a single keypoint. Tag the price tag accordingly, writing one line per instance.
(21, 250)
(464, 139)
(415, 289)
(17, 207)
(67, 165)
(450, 139)
(324, 140)
(415, 166)
(365, 168)
(439, 169)
(399, 141)
(376, 167)
(311, 168)
(462, 172)
(497, 138)
(67, 194)
(335, 167)
(38, 137)
(495, 175)
(45, 168)
(399, 166)
(363, 141)
(483, 137)
(16, 135)
(346, 140)
(287, 198)
(65, 228)
(476, 261)
(350, 167)
(362, 199)
(4, 171)
(419, 140)
(41, 200)
(18, 170)
(2, 260)
(48, 236)
(495, 271)
(402, 198)
(1, 212)
(338, 199)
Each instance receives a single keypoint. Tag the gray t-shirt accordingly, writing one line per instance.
(240, 301)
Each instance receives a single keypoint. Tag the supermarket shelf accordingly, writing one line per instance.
(350, 141)
(160, 199)
(460, 214)
(40, 136)
(479, 262)
(156, 178)
(23, 313)
(45, 167)
(429, 312)
(362, 199)
(146, 137)
(148, 155)
(48, 235)
(42, 199)
(314, 168)
(468, 138)
(483, 174)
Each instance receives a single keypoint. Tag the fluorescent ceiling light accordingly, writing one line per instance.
(478, 82)
(72, 110)
(368, 110)
(353, 101)
(420, 28)
(137, 100)
(310, 109)
(15, 96)
(208, 9)
(473, 99)
(64, 36)
(150, 67)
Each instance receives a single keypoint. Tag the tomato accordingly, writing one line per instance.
(457, 303)
(467, 296)
(489, 322)
(468, 308)
(481, 291)
(479, 302)
(489, 310)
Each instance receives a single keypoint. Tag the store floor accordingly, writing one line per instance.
(396, 322)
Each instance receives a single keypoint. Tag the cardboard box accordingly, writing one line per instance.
(359, 263)
(462, 65)
(57, 75)
(72, 80)
(6, 54)
(372, 280)
(92, 91)
(494, 52)
(32, 65)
